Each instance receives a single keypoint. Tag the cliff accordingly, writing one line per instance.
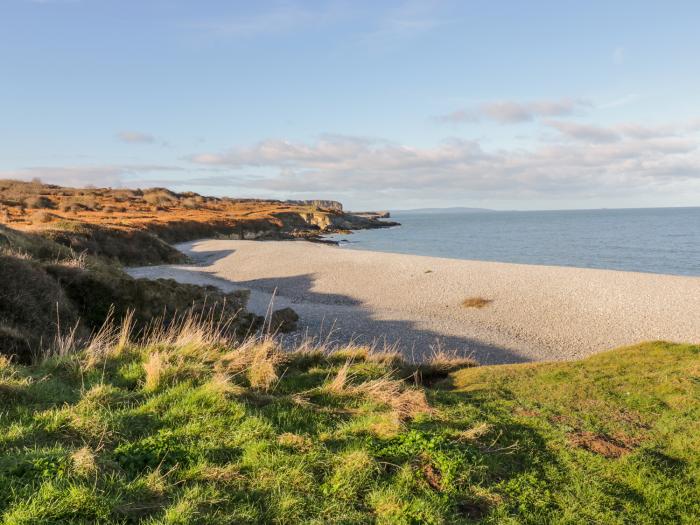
(320, 204)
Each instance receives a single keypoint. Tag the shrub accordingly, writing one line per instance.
(160, 197)
(37, 202)
(190, 204)
(43, 217)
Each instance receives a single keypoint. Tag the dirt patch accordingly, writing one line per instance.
(607, 446)
(432, 475)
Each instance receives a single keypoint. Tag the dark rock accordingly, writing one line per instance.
(283, 320)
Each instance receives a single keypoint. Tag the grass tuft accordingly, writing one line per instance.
(476, 302)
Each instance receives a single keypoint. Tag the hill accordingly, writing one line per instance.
(187, 427)
(134, 226)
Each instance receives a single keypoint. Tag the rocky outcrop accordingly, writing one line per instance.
(373, 214)
(325, 205)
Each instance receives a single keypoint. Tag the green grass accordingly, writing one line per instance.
(95, 438)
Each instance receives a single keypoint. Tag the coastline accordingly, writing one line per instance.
(537, 313)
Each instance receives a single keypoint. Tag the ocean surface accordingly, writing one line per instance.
(656, 240)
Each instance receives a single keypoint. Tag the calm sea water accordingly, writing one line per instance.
(658, 240)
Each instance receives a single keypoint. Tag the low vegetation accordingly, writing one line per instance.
(187, 426)
(49, 292)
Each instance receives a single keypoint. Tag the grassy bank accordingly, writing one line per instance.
(188, 427)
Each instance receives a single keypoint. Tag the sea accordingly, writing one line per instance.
(655, 240)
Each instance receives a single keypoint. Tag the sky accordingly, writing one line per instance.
(381, 105)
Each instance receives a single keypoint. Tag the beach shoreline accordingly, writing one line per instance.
(535, 313)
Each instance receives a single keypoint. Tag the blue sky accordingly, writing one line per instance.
(524, 105)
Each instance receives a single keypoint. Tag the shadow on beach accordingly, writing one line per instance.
(334, 318)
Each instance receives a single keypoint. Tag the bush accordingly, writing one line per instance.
(37, 202)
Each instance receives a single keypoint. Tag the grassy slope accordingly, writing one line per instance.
(45, 288)
(202, 433)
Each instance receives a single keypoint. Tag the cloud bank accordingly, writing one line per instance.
(584, 161)
(512, 112)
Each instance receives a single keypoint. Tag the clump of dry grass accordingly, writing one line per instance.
(440, 363)
(351, 352)
(160, 197)
(15, 252)
(387, 357)
(155, 368)
(107, 340)
(476, 302)
(262, 373)
(339, 383)
(190, 332)
(218, 474)
(221, 384)
(74, 261)
(475, 432)
(294, 441)
(257, 358)
(83, 462)
(404, 401)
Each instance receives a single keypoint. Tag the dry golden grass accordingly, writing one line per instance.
(189, 333)
(262, 373)
(83, 462)
(475, 432)
(184, 214)
(404, 401)
(442, 361)
(257, 358)
(125, 332)
(218, 474)
(294, 441)
(221, 384)
(351, 352)
(155, 368)
(388, 357)
(339, 384)
(476, 302)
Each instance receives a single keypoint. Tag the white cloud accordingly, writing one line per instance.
(135, 137)
(584, 132)
(589, 161)
(512, 112)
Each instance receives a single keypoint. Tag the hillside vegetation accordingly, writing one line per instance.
(187, 426)
(136, 226)
(52, 297)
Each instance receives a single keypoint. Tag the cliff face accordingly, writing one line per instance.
(325, 205)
